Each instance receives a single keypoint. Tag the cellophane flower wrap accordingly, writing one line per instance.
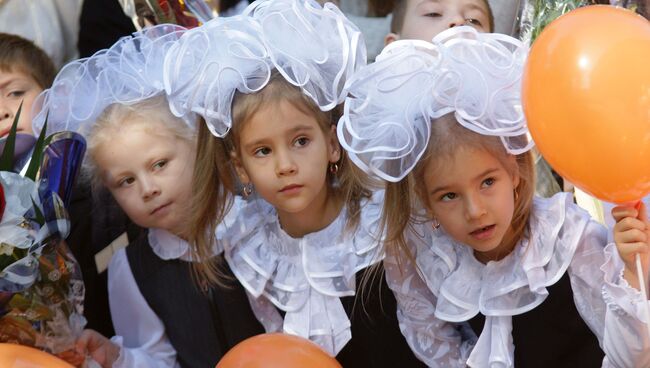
(41, 288)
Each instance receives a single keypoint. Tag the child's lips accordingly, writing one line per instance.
(291, 189)
(484, 232)
(159, 209)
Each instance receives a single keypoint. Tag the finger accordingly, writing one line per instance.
(629, 223)
(629, 250)
(621, 212)
(630, 236)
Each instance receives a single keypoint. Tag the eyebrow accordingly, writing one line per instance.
(294, 130)
(446, 187)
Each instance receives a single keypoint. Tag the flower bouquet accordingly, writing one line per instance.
(41, 288)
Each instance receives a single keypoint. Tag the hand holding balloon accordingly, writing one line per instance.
(631, 235)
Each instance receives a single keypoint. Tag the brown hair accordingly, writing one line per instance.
(399, 15)
(19, 54)
(217, 162)
(447, 136)
(212, 188)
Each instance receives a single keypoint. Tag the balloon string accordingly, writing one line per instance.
(644, 293)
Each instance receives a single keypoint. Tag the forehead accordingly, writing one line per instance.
(276, 119)
(478, 4)
(461, 165)
(14, 73)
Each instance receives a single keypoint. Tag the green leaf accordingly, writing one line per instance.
(40, 218)
(7, 158)
(37, 156)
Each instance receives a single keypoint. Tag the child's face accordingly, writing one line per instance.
(472, 197)
(149, 175)
(285, 154)
(424, 19)
(16, 87)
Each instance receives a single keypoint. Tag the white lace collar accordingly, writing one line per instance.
(168, 246)
(514, 285)
(304, 277)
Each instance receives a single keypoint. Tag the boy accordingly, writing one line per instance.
(423, 19)
(25, 71)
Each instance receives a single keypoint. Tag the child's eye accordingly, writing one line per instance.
(126, 181)
(16, 93)
(473, 22)
(433, 15)
(488, 182)
(160, 164)
(300, 142)
(261, 152)
(448, 197)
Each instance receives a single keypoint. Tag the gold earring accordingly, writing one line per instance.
(334, 168)
(516, 195)
(247, 190)
(435, 224)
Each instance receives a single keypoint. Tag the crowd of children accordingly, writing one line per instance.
(275, 182)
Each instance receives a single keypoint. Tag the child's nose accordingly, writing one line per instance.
(149, 189)
(285, 165)
(474, 208)
(5, 112)
(456, 20)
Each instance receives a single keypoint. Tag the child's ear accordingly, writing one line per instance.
(334, 148)
(239, 168)
(390, 38)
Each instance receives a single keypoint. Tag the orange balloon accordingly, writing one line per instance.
(586, 96)
(20, 356)
(277, 351)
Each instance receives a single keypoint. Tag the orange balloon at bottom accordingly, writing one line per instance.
(19, 356)
(277, 351)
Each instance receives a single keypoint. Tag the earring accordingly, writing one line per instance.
(334, 168)
(435, 224)
(247, 190)
(516, 194)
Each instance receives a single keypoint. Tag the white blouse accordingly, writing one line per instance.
(452, 286)
(305, 277)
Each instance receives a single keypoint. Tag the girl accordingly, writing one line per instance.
(144, 156)
(303, 243)
(442, 123)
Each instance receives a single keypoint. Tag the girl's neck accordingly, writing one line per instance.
(323, 211)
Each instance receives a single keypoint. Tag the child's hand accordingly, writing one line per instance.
(98, 347)
(631, 237)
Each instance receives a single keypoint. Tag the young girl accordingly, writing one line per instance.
(144, 156)
(304, 242)
(504, 279)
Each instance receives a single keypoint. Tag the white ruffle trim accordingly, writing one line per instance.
(619, 296)
(304, 277)
(512, 286)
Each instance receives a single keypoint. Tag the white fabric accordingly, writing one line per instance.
(303, 277)
(53, 25)
(314, 47)
(140, 334)
(455, 287)
(127, 73)
(388, 114)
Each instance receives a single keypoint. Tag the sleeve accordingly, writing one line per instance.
(140, 334)
(607, 304)
(435, 342)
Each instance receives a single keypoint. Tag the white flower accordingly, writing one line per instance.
(6, 249)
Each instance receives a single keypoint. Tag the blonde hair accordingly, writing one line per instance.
(152, 114)
(215, 161)
(447, 136)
